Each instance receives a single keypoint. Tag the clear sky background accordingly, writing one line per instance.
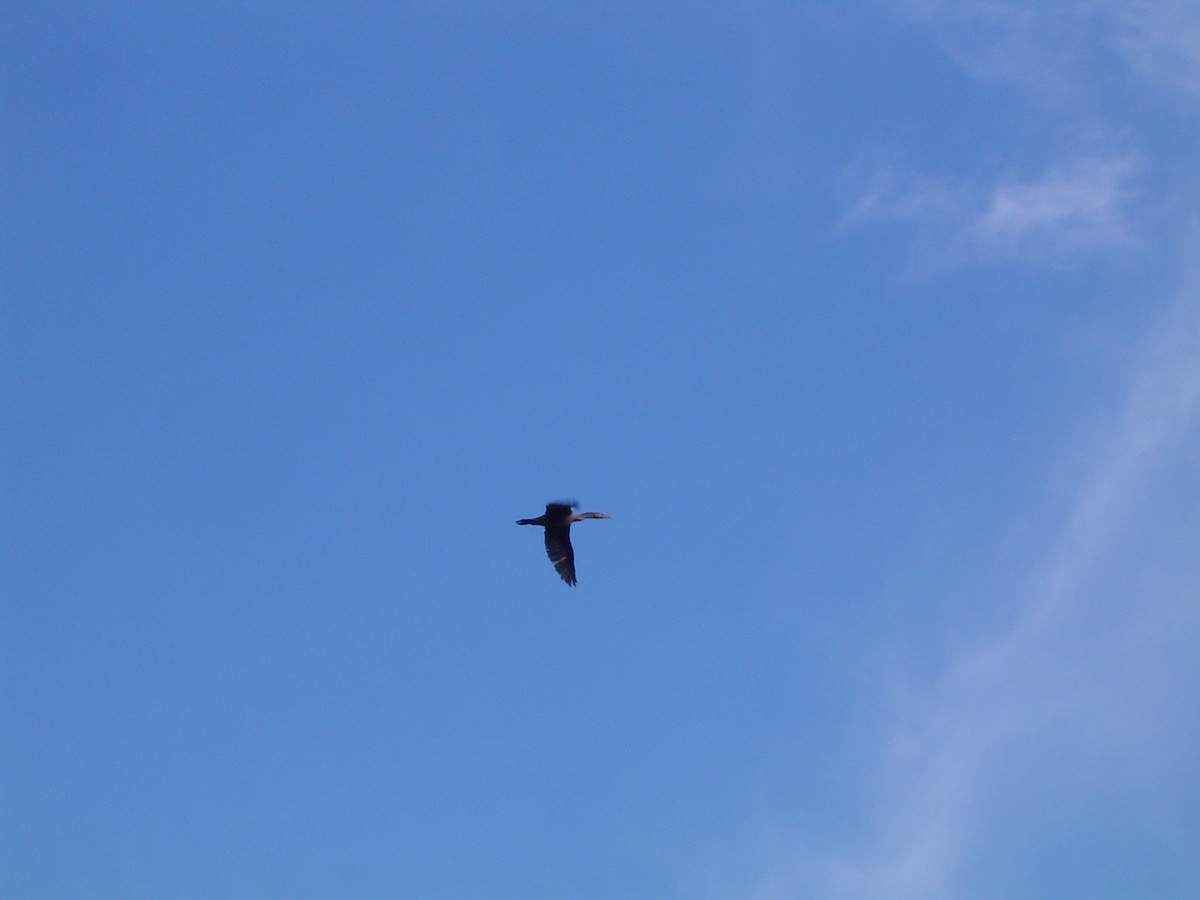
(875, 326)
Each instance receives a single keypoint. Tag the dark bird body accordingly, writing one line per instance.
(557, 521)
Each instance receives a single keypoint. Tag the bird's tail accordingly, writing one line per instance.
(526, 522)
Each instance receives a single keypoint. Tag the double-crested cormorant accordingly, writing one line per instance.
(557, 522)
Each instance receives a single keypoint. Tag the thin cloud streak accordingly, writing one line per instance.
(1093, 192)
(1028, 44)
(1043, 47)
(1073, 724)
(1070, 210)
(1074, 208)
(1090, 671)
(1161, 41)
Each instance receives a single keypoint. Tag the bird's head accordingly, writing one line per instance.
(596, 515)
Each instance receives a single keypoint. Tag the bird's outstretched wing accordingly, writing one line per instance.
(560, 509)
(560, 551)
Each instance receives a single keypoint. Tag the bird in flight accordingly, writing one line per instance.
(557, 521)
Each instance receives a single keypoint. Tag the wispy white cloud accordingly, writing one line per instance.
(1071, 207)
(1067, 211)
(1084, 694)
(1092, 193)
(1161, 40)
(1047, 46)
(1036, 45)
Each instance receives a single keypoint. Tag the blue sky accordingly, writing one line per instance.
(874, 326)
